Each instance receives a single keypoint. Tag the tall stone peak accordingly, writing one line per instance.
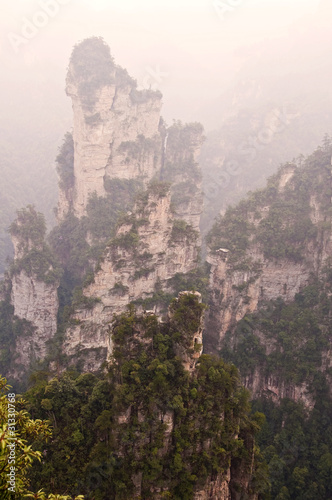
(116, 127)
(120, 150)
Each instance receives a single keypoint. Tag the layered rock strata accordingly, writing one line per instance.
(150, 247)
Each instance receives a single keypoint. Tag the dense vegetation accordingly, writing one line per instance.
(93, 66)
(10, 328)
(297, 445)
(35, 257)
(65, 164)
(283, 347)
(112, 430)
(69, 239)
(21, 438)
(145, 418)
(286, 228)
(296, 441)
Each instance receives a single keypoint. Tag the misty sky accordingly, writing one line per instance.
(190, 49)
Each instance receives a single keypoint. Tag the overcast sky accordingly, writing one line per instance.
(190, 49)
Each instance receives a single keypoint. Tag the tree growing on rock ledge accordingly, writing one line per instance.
(150, 428)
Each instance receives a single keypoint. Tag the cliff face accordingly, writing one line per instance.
(119, 137)
(36, 302)
(149, 248)
(119, 146)
(269, 248)
(34, 283)
(118, 134)
(179, 431)
(116, 127)
(180, 167)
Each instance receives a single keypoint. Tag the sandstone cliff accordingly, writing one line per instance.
(118, 133)
(116, 127)
(120, 142)
(149, 248)
(33, 287)
(270, 248)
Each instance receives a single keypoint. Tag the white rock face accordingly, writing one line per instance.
(37, 302)
(274, 279)
(237, 291)
(128, 274)
(277, 389)
(101, 135)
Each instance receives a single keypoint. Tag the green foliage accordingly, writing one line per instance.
(296, 445)
(40, 264)
(182, 230)
(113, 428)
(72, 403)
(158, 188)
(153, 383)
(196, 280)
(81, 301)
(65, 163)
(142, 148)
(36, 258)
(128, 241)
(182, 141)
(119, 289)
(295, 440)
(183, 192)
(186, 312)
(232, 231)
(29, 227)
(20, 438)
(297, 334)
(93, 66)
(69, 239)
(278, 218)
(11, 327)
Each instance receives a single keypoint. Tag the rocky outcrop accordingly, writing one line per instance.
(189, 352)
(34, 284)
(271, 246)
(116, 127)
(275, 388)
(237, 292)
(36, 302)
(118, 133)
(178, 413)
(150, 247)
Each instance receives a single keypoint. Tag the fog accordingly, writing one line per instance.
(211, 59)
(191, 50)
